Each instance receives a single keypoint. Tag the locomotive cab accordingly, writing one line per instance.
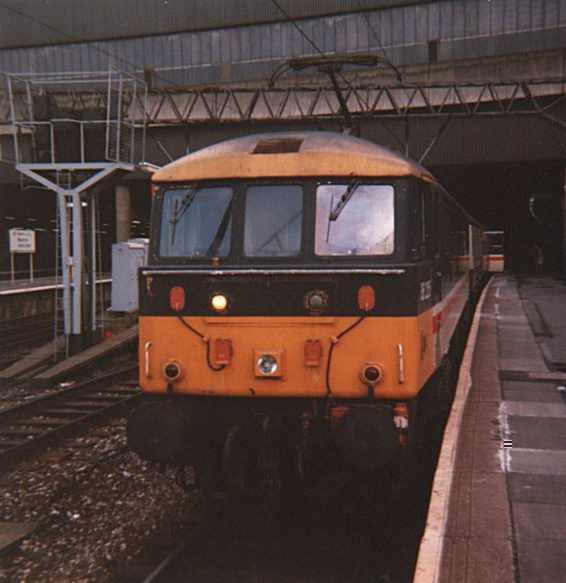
(289, 302)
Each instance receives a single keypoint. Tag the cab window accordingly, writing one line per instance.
(354, 219)
(273, 221)
(196, 222)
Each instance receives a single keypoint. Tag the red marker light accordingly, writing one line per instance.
(222, 351)
(313, 353)
(366, 298)
(177, 298)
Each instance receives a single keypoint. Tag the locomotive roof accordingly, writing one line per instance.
(291, 154)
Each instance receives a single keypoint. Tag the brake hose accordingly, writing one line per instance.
(206, 341)
(333, 342)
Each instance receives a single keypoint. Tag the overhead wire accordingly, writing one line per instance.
(391, 66)
(309, 40)
(298, 28)
(381, 48)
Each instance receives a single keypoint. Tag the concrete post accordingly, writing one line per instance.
(123, 212)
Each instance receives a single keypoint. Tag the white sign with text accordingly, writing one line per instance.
(22, 241)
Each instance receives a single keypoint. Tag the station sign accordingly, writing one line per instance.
(22, 241)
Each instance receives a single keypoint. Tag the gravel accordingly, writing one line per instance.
(96, 504)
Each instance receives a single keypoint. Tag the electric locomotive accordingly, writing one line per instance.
(302, 289)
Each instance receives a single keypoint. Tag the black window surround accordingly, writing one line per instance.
(306, 256)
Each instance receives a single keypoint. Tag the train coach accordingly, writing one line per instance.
(302, 289)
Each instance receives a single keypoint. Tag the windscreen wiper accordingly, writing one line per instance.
(221, 232)
(343, 201)
(180, 210)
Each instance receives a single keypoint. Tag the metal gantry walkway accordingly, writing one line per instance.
(69, 143)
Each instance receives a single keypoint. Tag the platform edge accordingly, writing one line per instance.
(431, 549)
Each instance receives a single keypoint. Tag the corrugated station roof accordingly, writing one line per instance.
(87, 20)
(290, 154)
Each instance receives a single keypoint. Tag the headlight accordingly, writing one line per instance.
(267, 364)
(219, 302)
(316, 301)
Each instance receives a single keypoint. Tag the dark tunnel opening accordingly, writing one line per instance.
(523, 199)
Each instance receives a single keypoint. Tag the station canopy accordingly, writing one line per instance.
(64, 21)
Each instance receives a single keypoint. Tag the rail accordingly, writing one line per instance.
(29, 427)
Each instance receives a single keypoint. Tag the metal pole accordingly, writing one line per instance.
(101, 291)
(82, 133)
(14, 120)
(65, 259)
(108, 112)
(52, 139)
(123, 212)
(31, 267)
(133, 123)
(93, 227)
(563, 266)
(119, 119)
(144, 125)
(78, 255)
(13, 275)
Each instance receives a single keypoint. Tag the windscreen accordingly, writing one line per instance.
(273, 220)
(196, 222)
(354, 219)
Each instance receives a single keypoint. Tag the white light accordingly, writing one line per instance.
(219, 302)
(267, 364)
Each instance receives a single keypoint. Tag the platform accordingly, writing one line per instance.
(90, 355)
(25, 298)
(498, 507)
(40, 284)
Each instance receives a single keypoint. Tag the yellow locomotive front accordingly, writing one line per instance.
(284, 301)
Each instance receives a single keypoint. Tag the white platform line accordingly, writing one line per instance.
(431, 549)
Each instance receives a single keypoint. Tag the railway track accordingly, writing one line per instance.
(29, 427)
(250, 545)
